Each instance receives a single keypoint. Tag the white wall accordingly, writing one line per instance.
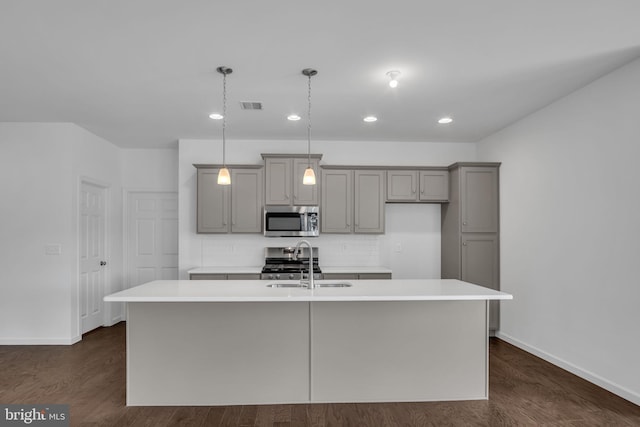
(570, 202)
(40, 169)
(41, 166)
(147, 169)
(412, 229)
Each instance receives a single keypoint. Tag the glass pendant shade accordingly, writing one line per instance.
(309, 177)
(224, 178)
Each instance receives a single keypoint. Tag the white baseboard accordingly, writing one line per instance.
(40, 341)
(115, 320)
(614, 388)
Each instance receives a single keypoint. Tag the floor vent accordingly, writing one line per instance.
(247, 105)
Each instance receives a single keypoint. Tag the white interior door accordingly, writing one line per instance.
(152, 237)
(92, 255)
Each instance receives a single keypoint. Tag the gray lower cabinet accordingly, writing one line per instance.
(470, 228)
(418, 186)
(235, 208)
(222, 276)
(356, 276)
(283, 182)
(352, 201)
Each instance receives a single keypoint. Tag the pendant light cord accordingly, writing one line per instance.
(309, 126)
(224, 116)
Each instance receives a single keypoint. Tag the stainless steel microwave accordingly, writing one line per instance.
(291, 221)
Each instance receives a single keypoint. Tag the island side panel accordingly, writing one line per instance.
(217, 353)
(399, 351)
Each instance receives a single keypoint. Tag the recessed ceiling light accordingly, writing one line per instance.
(445, 120)
(216, 116)
(370, 119)
(293, 117)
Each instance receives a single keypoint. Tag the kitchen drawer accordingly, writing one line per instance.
(356, 276)
(208, 276)
(340, 276)
(243, 276)
(374, 276)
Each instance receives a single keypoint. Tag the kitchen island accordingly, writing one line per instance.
(243, 342)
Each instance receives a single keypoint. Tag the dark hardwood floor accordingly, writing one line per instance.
(90, 377)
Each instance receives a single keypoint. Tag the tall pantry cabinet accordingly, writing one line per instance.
(471, 229)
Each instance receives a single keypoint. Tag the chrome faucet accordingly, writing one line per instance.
(310, 283)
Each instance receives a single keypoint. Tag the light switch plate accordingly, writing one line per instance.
(53, 249)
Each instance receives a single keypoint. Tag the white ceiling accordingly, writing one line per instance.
(141, 73)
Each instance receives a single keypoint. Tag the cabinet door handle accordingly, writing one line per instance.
(464, 222)
(286, 196)
(464, 243)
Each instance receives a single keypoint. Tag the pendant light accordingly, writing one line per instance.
(224, 178)
(309, 176)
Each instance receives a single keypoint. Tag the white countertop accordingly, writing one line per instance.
(226, 270)
(258, 291)
(355, 269)
(258, 270)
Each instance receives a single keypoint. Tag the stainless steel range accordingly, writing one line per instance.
(279, 264)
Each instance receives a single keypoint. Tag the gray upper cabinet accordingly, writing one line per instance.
(283, 182)
(369, 197)
(479, 199)
(213, 202)
(246, 200)
(352, 201)
(417, 186)
(278, 181)
(402, 186)
(434, 186)
(305, 195)
(235, 208)
(336, 211)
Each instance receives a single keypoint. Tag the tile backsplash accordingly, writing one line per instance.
(410, 246)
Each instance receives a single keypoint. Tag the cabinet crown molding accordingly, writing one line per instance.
(473, 164)
(290, 156)
(386, 168)
(217, 166)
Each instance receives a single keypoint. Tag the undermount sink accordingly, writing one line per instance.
(334, 285)
(318, 285)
